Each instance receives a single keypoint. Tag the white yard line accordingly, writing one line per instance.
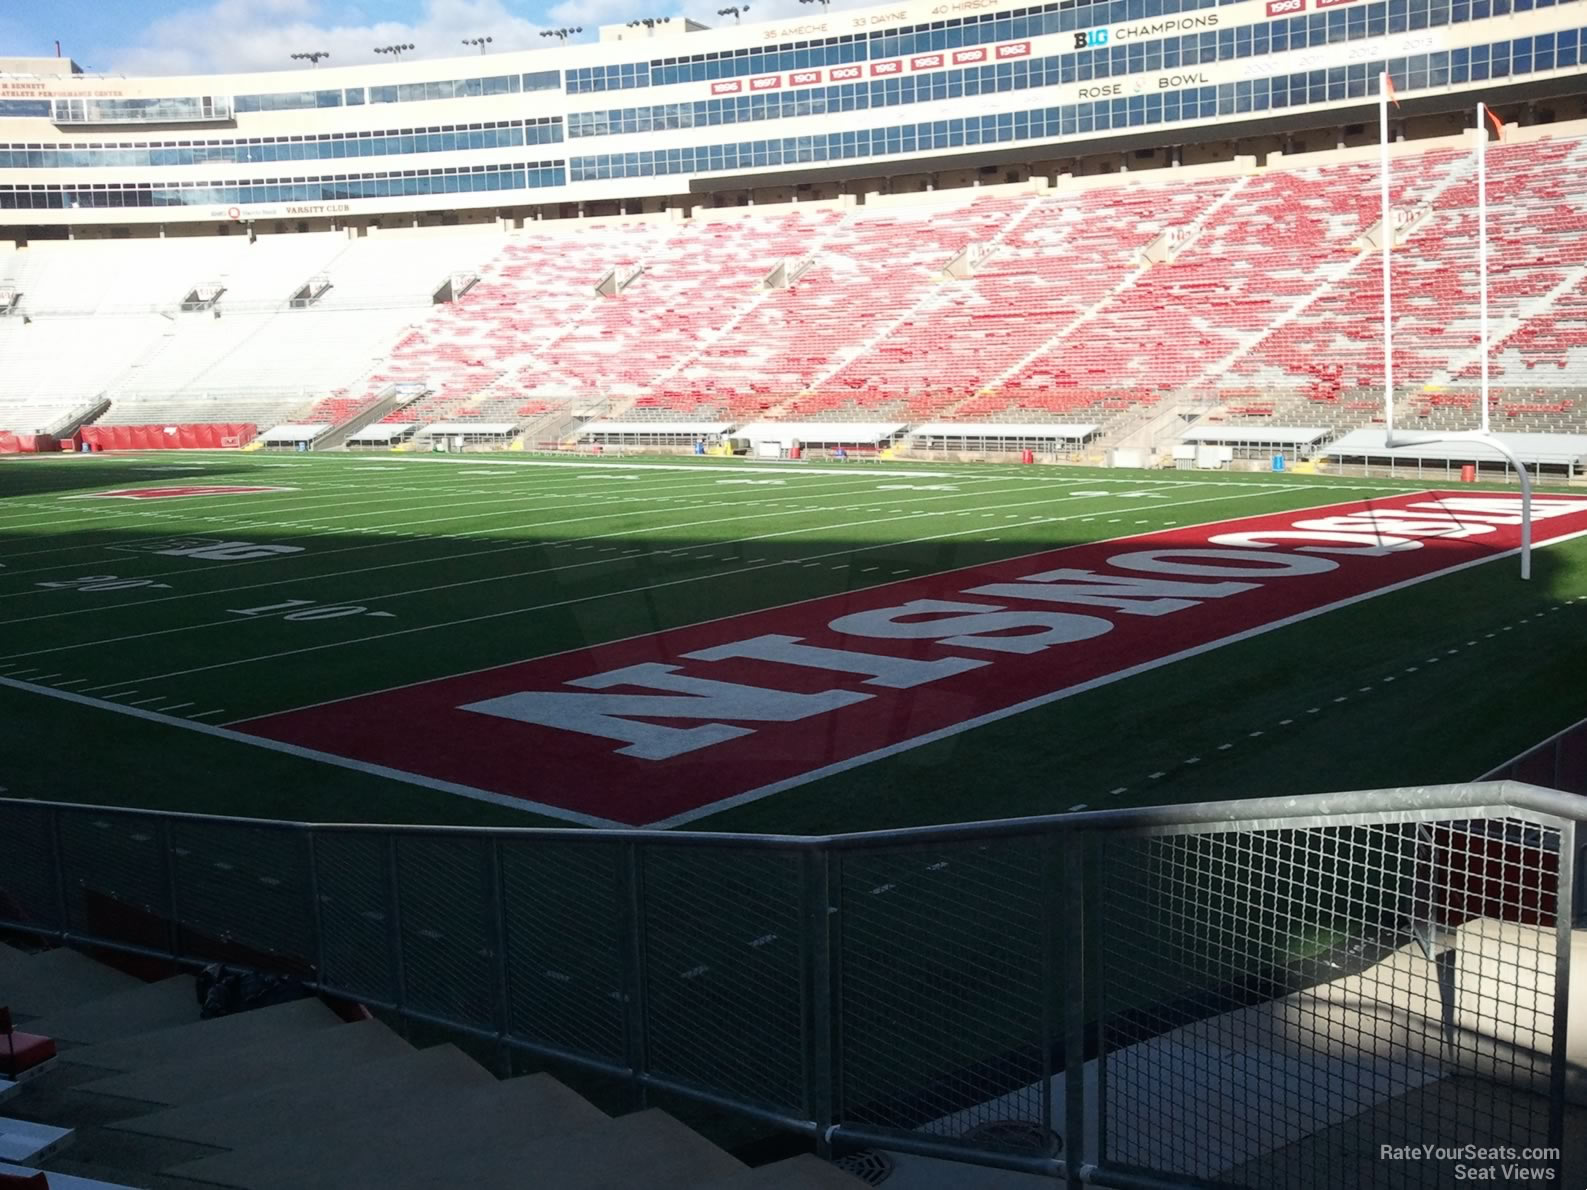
(232, 621)
(631, 497)
(519, 611)
(510, 547)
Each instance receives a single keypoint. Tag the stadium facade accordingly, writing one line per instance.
(910, 96)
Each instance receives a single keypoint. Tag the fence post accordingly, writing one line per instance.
(631, 900)
(399, 978)
(58, 861)
(1077, 904)
(174, 901)
(316, 915)
(820, 1058)
(496, 897)
(1052, 969)
(1564, 915)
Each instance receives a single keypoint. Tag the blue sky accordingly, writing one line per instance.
(183, 36)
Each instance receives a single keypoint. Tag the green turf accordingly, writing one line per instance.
(485, 561)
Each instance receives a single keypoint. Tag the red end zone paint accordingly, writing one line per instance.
(659, 728)
(172, 493)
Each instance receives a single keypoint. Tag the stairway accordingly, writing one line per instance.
(292, 1097)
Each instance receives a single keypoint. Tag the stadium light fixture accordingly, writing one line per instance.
(1483, 434)
(394, 50)
(313, 56)
(482, 42)
(563, 34)
(822, 3)
(737, 12)
(649, 22)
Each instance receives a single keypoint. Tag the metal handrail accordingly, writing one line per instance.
(802, 879)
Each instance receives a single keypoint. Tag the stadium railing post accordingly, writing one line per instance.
(1564, 920)
(174, 903)
(631, 900)
(820, 1011)
(316, 918)
(58, 862)
(1076, 975)
(496, 926)
(399, 991)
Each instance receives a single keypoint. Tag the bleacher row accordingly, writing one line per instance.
(1272, 302)
(118, 1082)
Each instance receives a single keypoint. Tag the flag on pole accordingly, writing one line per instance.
(1498, 124)
(1388, 83)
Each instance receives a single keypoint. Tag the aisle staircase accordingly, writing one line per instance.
(294, 1097)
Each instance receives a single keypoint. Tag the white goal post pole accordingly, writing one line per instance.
(1386, 239)
(1386, 236)
(1482, 269)
(1482, 246)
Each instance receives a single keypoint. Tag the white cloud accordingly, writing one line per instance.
(239, 35)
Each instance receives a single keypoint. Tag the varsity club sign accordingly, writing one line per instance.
(659, 729)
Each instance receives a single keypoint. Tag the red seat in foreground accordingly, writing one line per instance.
(16, 1181)
(22, 1052)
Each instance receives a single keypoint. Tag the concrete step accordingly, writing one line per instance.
(401, 1142)
(23, 1140)
(60, 1181)
(110, 1154)
(54, 980)
(649, 1149)
(126, 1013)
(805, 1172)
(439, 1081)
(204, 1076)
(221, 1035)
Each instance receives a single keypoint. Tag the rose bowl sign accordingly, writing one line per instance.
(663, 728)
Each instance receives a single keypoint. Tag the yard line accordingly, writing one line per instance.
(343, 644)
(513, 575)
(452, 559)
(406, 539)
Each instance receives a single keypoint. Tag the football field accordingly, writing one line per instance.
(726, 644)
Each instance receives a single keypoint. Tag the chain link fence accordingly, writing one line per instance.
(1275, 993)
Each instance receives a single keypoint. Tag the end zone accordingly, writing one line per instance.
(665, 728)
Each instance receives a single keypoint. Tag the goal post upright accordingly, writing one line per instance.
(1484, 433)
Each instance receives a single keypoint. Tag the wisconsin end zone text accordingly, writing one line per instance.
(663, 728)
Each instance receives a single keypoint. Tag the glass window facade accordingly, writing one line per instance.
(497, 84)
(140, 111)
(1356, 81)
(858, 47)
(337, 188)
(1078, 66)
(321, 147)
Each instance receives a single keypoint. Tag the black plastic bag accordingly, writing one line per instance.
(222, 992)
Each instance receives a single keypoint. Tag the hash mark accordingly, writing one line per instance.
(1119, 790)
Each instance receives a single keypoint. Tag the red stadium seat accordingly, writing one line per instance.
(22, 1053)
